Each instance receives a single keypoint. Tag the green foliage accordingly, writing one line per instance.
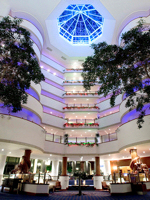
(49, 168)
(122, 69)
(18, 63)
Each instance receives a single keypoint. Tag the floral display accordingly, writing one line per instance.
(80, 124)
(87, 144)
(80, 107)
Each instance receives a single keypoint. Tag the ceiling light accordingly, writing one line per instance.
(88, 113)
(109, 129)
(74, 87)
(73, 113)
(51, 129)
(50, 154)
(123, 156)
(84, 116)
(143, 151)
(51, 112)
(42, 67)
(87, 99)
(76, 116)
(89, 130)
(54, 74)
(81, 135)
(134, 147)
(74, 99)
(72, 130)
(125, 149)
(2, 149)
(109, 154)
(48, 70)
(10, 152)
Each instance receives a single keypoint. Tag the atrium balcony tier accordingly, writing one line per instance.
(80, 94)
(76, 82)
(79, 141)
(84, 107)
(84, 125)
(73, 70)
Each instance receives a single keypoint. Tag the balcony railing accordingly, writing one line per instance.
(81, 125)
(84, 93)
(72, 69)
(81, 106)
(101, 139)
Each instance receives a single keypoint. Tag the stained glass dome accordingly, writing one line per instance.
(80, 24)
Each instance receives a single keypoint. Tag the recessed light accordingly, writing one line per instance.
(109, 154)
(81, 135)
(84, 116)
(51, 129)
(44, 127)
(88, 113)
(76, 116)
(134, 147)
(87, 99)
(48, 70)
(50, 154)
(73, 113)
(109, 129)
(143, 151)
(54, 74)
(89, 130)
(125, 149)
(42, 67)
(10, 152)
(2, 149)
(51, 112)
(72, 130)
(74, 99)
(123, 156)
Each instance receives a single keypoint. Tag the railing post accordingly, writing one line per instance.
(76, 139)
(53, 137)
(85, 139)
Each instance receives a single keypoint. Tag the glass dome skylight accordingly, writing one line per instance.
(80, 24)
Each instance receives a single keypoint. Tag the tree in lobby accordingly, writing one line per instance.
(123, 69)
(18, 64)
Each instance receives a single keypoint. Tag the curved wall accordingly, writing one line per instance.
(17, 130)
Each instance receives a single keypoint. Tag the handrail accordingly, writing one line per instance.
(60, 139)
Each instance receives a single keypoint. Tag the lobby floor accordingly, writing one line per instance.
(71, 195)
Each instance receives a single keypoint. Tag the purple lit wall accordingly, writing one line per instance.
(52, 96)
(24, 113)
(33, 93)
(52, 112)
(54, 84)
(134, 114)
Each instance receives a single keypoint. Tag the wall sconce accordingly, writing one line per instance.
(75, 182)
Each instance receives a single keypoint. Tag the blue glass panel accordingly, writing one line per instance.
(80, 24)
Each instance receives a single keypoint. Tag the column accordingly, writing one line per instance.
(55, 164)
(107, 168)
(87, 167)
(97, 165)
(82, 166)
(64, 166)
(134, 158)
(35, 166)
(64, 179)
(2, 166)
(97, 178)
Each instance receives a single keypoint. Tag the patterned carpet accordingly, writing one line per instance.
(71, 195)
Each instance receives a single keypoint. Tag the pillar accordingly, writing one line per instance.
(134, 158)
(55, 164)
(97, 178)
(35, 166)
(64, 166)
(2, 166)
(87, 167)
(97, 165)
(82, 166)
(107, 168)
(64, 179)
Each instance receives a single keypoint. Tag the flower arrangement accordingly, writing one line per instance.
(87, 144)
(80, 124)
(80, 107)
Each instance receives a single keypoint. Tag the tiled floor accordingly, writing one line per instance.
(71, 195)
